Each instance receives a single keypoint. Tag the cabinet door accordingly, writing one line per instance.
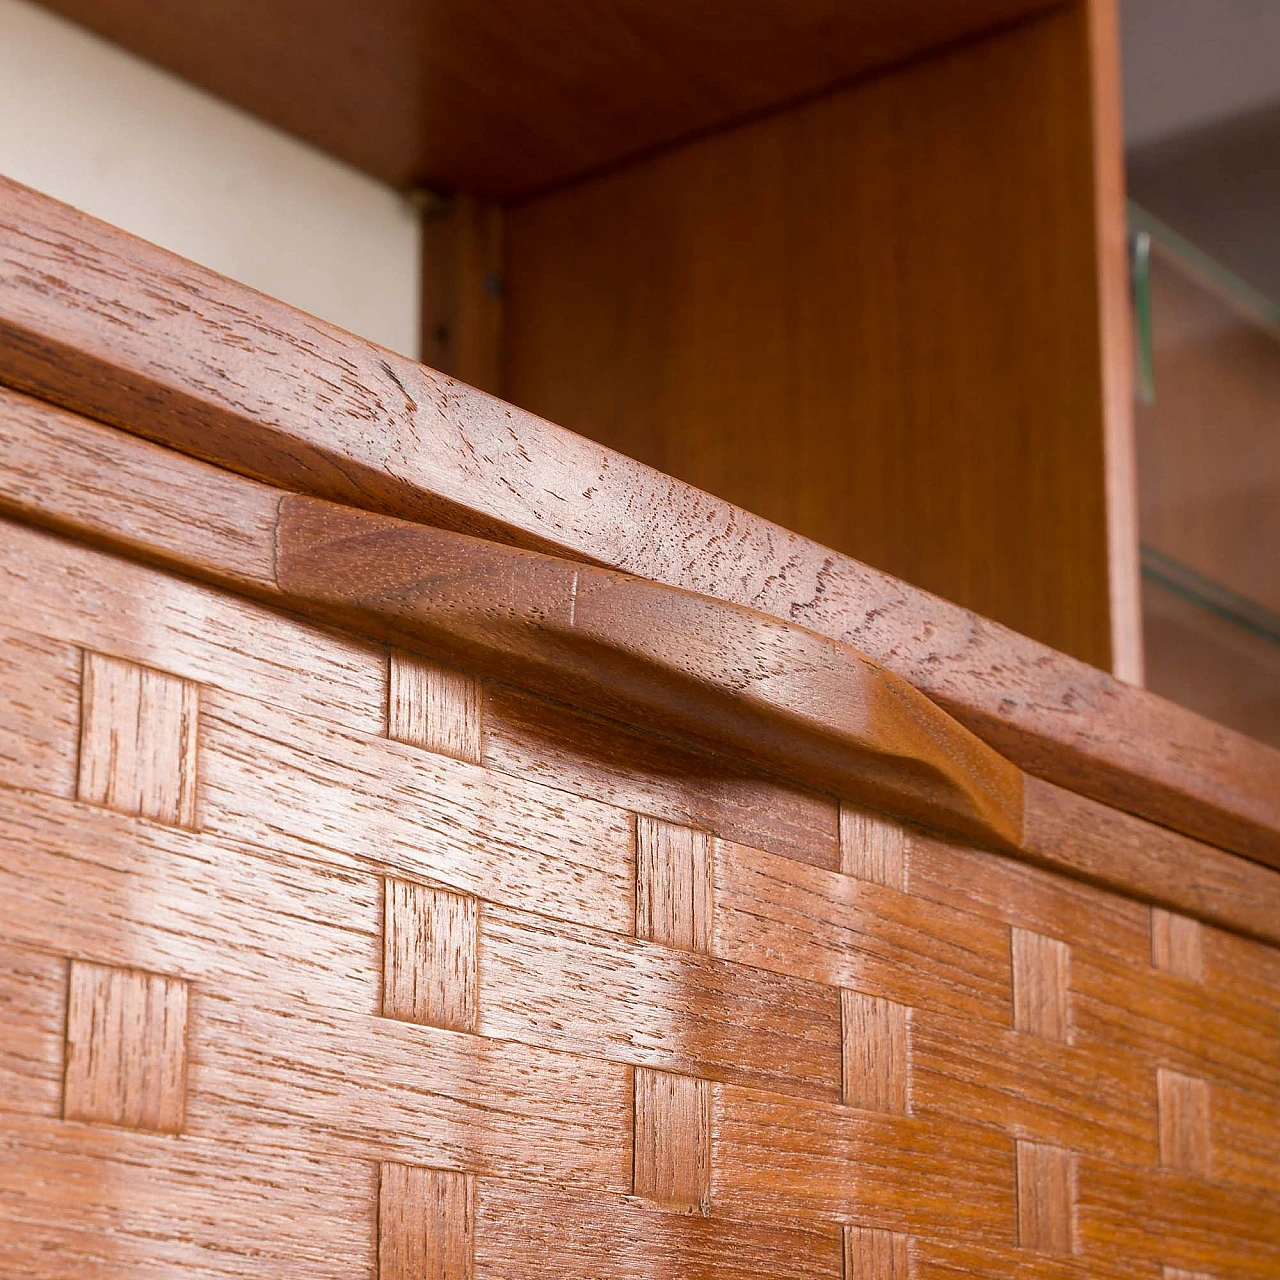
(427, 906)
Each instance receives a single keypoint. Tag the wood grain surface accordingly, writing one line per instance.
(775, 913)
(1176, 944)
(675, 885)
(126, 1058)
(138, 740)
(425, 1223)
(872, 848)
(877, 1053)
(429, 956)
(39, 740)
(433, 706)
(173, 352)
(328, 954)
(1183, 1105)
(605, 1237)
(149, 1206)
(594, 756)
(564, 986)
(1046, 1198)
(1041, 985)
(1080, 1097)
(878, 1255)
(764, 689)
(774, 1157)
(673, 1140)
(716, 673)
(447, 94)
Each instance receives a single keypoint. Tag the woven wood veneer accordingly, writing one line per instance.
(321, 958)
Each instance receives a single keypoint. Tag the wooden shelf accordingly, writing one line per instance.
(501, 100)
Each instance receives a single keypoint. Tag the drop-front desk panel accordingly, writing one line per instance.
(380, 899)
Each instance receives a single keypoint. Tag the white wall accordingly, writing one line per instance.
(92, 125)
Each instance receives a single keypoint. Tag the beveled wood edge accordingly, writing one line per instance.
(539, 619)
(114, 328)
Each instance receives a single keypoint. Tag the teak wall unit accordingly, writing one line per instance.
(437, 845)
(859, 268)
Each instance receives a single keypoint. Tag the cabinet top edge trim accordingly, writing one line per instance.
(111, 327)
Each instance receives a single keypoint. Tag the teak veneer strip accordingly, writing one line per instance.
(99, 322)
(704, 669)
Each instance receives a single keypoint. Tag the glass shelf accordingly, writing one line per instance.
(1213, 651)
(1209, 489)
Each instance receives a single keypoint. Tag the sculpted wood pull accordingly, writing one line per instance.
(721, 673)
(718, 673)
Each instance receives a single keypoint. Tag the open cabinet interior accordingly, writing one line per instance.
(892, 317)
(875, 318)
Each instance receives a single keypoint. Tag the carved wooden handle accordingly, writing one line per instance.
(720, 674)
(715, 672)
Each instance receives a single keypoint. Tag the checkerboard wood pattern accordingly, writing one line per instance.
(323, 959)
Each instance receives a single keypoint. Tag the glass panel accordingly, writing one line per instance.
(1209, 489)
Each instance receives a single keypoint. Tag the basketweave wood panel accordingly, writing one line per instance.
(536, 993)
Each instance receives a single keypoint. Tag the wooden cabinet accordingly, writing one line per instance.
(437, 845)
(859, 267)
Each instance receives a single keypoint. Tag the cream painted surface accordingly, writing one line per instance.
(87, 123)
